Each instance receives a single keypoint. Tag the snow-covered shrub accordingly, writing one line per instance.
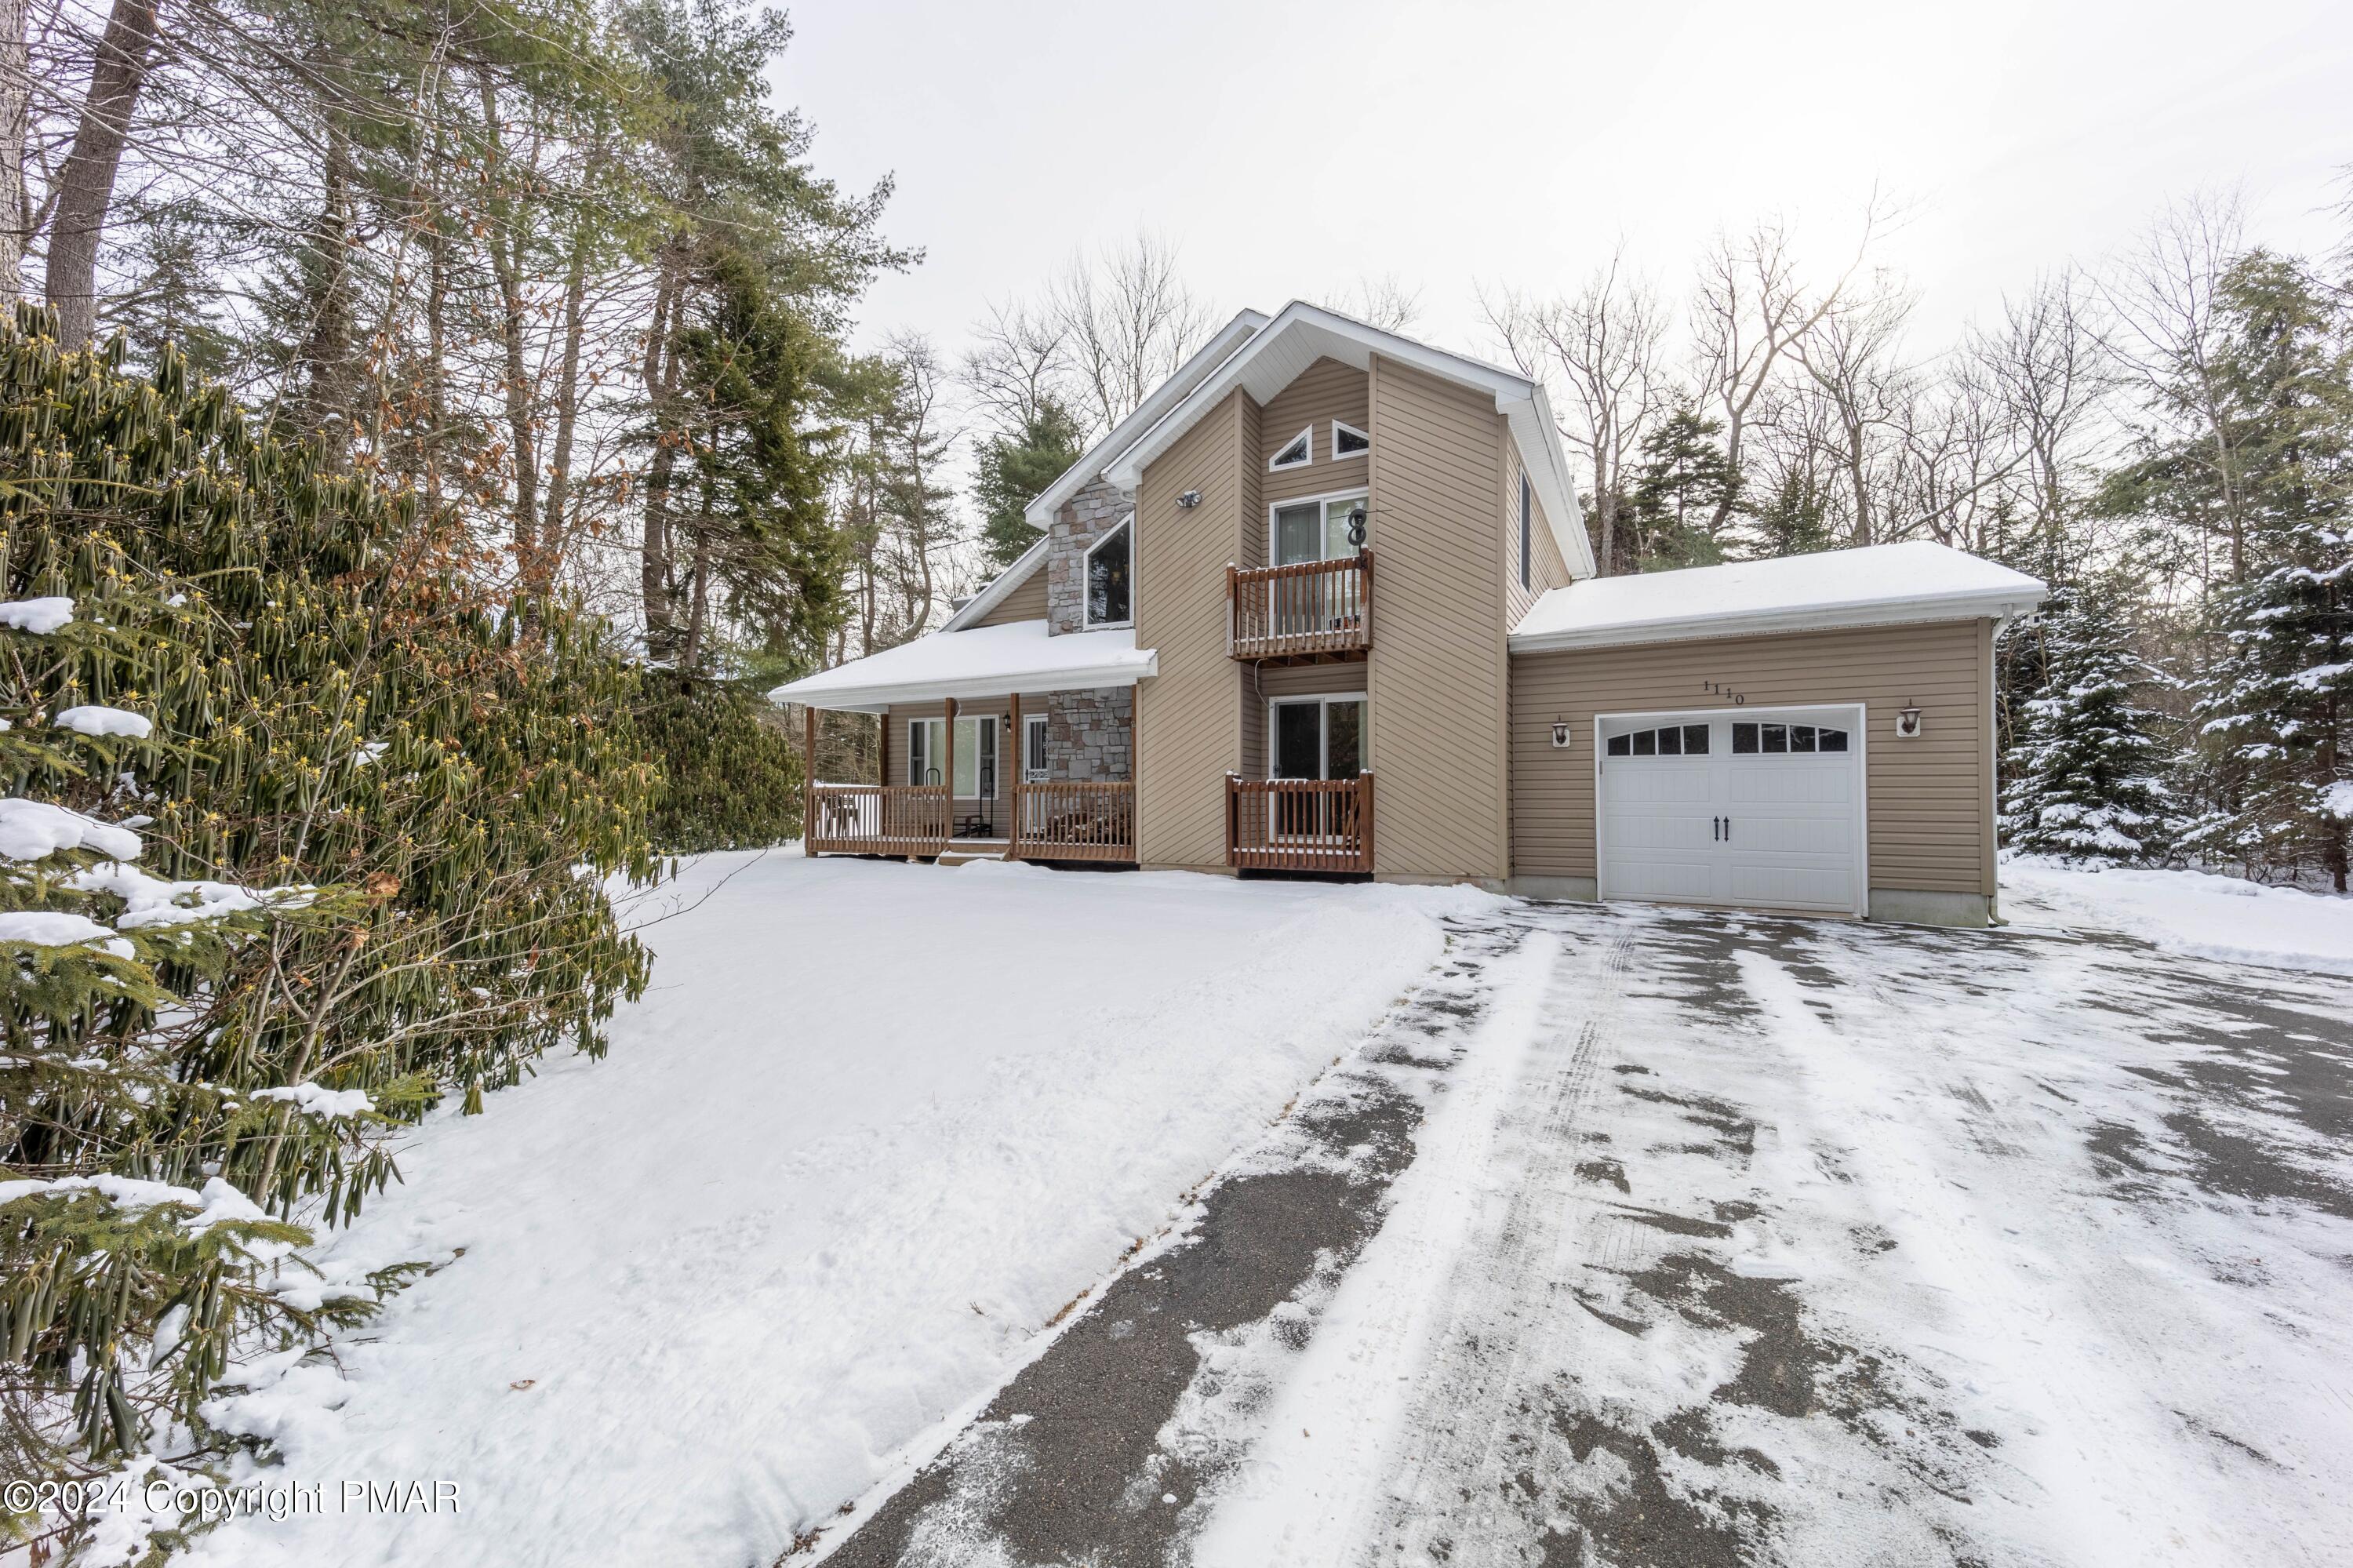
(305, 827)
(731, 773)
(2087, 770)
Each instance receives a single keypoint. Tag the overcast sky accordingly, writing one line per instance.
(1289, 149)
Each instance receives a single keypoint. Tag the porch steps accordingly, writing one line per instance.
(959, 857)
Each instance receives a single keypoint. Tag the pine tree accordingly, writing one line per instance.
(2087, 774)
(1014, 470)
(1683, 483)
(1793, 520)
(2276, 708)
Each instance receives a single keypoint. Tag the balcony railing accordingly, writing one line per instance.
(879, 819)
(1074, 821)
(1311, 611)
(1300, 824)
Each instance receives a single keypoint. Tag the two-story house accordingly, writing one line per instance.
(1325, 603)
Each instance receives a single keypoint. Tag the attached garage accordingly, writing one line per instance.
(1813, 734)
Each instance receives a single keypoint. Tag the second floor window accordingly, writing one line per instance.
(1111, 578)
(1313, 530)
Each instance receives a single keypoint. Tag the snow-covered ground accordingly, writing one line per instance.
(1748, 1239)
(874, 1127)
(2190, 912)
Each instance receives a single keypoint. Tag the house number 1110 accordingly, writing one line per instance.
(1718, 689)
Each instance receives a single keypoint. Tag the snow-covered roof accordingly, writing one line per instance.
(998, 589)
(1300, 333)
(986, 661)
(1878, 585)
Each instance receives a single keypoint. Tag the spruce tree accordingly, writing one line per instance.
(1683, 482)
(2276, 704)
(1015, 470)
(2087, 773)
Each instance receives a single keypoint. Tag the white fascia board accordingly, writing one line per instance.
(1970, 604)
(1532, 426)
(1039, 513)
(878, 698)
(1000, 588)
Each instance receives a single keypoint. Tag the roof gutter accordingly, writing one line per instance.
(878, 697)
(1968, 604)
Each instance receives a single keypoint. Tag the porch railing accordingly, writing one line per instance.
(1300, 824)
(1313, 609)
(1074, 821)
(879, 819)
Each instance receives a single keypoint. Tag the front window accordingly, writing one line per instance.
(1111, 578)
(976, 755)
(1314, 530)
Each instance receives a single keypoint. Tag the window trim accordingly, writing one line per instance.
(1354, 492)
(1324, 728)
(1305, 441)
(1527, 532)
(1087, 622)
(1364, 435)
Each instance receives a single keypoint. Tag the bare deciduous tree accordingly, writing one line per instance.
(1385, 300)
(1603, 348)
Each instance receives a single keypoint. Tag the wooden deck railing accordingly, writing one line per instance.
(879, 819)
(1300, 824)
(1074, 821)
(1313, 610)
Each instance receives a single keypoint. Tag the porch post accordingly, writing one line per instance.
(808, 778)
(947, 774)
(1020, 771)
(882, 752)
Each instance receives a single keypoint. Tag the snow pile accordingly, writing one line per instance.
(59, 928)
(218, 1201)
(312, 1099)
(41, 617)
(872, 1129)
(32, 829)
(92, 718)
(2191, 912)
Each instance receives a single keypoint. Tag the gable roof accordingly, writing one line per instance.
(1878, 585)
(1300, 333)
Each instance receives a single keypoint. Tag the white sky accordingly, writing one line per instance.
(1291, 148)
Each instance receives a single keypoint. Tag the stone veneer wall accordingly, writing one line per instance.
(1090, 735)
(1086, 517)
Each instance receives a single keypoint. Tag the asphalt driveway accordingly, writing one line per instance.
(1666, 1238)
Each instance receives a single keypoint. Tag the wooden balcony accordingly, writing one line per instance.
(1312, 613)
(1088, 821)
(1300, 824)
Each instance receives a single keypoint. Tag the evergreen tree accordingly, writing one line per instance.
(2276, 708)
(2087, 771)
(1793, 520)
(1681, 485)
(1015, 470)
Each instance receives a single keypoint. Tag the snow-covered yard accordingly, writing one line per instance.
(873, 1128)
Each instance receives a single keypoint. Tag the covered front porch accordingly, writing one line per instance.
(988, 792)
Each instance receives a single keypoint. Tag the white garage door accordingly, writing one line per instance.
(1755, 809)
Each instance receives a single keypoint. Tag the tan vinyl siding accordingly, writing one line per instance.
(1929, 800)
(1188, 717)
(1324, 391)
(1027, 602)
(1549, 570)
(1438, 703)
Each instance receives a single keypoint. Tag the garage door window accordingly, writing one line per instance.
(1669, 740)
(1778, 739)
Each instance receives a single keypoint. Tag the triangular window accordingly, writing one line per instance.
(1298, 453)
(1348, 441)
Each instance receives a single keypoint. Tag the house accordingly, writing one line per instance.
(1325, 603)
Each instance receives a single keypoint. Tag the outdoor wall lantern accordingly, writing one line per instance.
(1907, 724)
(1560, 734)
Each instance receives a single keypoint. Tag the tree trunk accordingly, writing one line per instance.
(661, 370)
(15, 93)
(541, 575)
(506, 244)
(86, 180)
(327, 359)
